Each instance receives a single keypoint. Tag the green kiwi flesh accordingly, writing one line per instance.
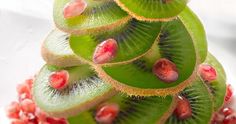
(134, 39)
(201, 103)
(98, 16)
(153, 10)
(85, 90)
(175, 43)
(218, 86)
(56, 50)
(133, 110)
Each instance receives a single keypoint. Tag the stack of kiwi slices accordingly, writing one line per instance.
(128, 62)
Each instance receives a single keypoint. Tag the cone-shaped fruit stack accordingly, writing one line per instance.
(128, 62)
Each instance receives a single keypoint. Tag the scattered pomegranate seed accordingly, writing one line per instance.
(105, 51)
(207, 72)
(231, 119)
(229, 93)
(107, 113)
(165, 70)
(28, 106)
(183, 109)
(59, 80)
(40, 115)
(227, 111)
(74, 8)
(13, 110)
(23, 89)
(18, 121)
(218, 118)
(29, 82)
(57, 121)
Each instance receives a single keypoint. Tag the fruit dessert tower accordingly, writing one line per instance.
(129, 62)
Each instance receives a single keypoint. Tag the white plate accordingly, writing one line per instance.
(24, 25)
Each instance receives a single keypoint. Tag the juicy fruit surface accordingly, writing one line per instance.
(59, 80)
(74, 8)
(107, 113)
(84, 90)
(133, 110)
(133, 39)
(56, 50)
(217, 86)
(152, 10)
(200, 102)
(95, 17)
(183, 109)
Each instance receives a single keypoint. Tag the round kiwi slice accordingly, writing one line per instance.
(56, 50)
(98, 16)
(201, 103)
(85, 90)
(153, 10)
(133, 110)
(177, 43)
(134, 39)
(218, 86)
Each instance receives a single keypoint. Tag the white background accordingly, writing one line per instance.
(25, 23)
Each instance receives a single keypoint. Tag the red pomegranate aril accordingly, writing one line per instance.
(183, 109)
(57, 121)
(23, 88)
(218, 118)
(40, 115)
(74, 8)
(18, 121)
(107, 113)
(59, 80)
(28, 106)
(29, 83)
(207, 72)
(229, 93)
(227, 111)
(13, 110)
(165, 70)
(230, 119)
(105, 51)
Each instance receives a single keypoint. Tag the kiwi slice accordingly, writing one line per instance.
(153, 10)
(218, 86)
(201, 103)
(56, 50)
(133, 110)
(84, 91)
(178, 43)
(99, 15)
(134, 39)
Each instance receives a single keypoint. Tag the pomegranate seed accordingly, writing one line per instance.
(13, 110)
(218, 118)
(165, 70)
(29, 83)
(74, 8)
(231, 119)
(28, 106)
(18, 121)
(40, 115)
(207, 72)
(229, 93)
(183, 109)
(107, 113)
(59, 80)
(227, 111)
(57, 121)
(23, 89)
(105, 51)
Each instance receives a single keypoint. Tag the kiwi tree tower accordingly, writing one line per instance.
(128, 62)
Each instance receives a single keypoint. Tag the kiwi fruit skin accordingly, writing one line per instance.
(56, 51)
(90, 21)
(152, 15)
(133, 110)
(197, 31)
(134, 39)
(218, 86)
(71, 100)
(201, 102)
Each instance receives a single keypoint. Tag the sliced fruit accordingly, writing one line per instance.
(201, 104)
(153, 10)
(56, 50)
(217, 86)
(99, 15)
(178, 44)
(132, 110)
(133, 39)
(85, 89)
